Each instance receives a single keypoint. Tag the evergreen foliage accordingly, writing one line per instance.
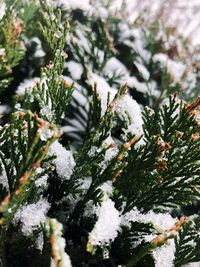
(88, 177)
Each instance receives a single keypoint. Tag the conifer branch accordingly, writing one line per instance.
(158, 241)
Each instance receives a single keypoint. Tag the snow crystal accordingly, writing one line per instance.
(32, 215)
(139, 86)
(53, 263)
(90, 209)
(40, 241)
(175, 69)
(81, 39)
(161, 221)
(66, 260)
(85, 183)
(107, 188)
(27, 84)
(164, 255)
(39, 51)
(128, 105)
(110, 152)
(192, 243)
(124, 105)
(107, 225)
(143, 70)
(113, 65)
(108, 141)
(47, 113)
(2, 9)
(4, 109)
(64, 161)
(127, 32)
(75, 4)
(42, 181)
(116, 4)
(138, 45)
(192, 264)
(45, 133)
(3, 178)
(100, 11)
(93, 150)
(75, 69)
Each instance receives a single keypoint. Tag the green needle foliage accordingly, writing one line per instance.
(12, 50)
(170, 160)
(88, 177)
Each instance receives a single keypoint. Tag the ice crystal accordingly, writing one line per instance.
(164, 255)
(64, 161)
(107, 225)
(3, 177)
(31, 215)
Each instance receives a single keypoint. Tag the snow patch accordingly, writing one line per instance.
(27, 84)
(107, 225)
(75, 69)
(175, 69)
(32, 215)
(64, 161)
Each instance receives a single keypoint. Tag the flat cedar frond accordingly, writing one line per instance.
(13, 49)
(112, 190)
(24, 144)
(24, 137)
(188, 243)
(169, 160)
(53, 231)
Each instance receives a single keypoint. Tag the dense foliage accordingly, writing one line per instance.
(99, 138)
